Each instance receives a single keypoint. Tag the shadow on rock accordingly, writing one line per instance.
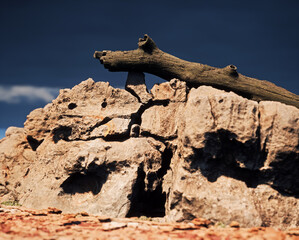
(89, 181)
(224, 155)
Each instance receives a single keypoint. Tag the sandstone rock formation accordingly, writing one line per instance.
(177, 153)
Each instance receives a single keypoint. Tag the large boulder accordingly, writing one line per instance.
(175, 152)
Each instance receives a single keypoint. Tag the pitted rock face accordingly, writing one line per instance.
(77, 112)
(177, 153)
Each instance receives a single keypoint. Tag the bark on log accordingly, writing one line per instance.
(149, 58)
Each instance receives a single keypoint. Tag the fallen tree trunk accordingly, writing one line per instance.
(149, 58)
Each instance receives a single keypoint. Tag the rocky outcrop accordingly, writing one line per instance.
(177, 153)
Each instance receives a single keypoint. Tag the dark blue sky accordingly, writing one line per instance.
(47, 45)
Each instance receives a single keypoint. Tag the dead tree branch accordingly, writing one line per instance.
(149, 58)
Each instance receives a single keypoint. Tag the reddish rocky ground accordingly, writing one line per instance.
(23, 223)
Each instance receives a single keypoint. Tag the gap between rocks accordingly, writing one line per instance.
(146, 201)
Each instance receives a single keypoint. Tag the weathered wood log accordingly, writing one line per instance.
(149, 58)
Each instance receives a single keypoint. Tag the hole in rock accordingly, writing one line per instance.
(83, 183)
(61, 132)
(166, 160)
(34, 143)
(104, 104)
(150, 203)
(146, 203)
(72, 106)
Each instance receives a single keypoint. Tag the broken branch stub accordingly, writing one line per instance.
(150, 59)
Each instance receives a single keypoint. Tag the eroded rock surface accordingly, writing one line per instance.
(177, 153)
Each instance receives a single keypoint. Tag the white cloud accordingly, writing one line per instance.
(17, 94)
(2, 132)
